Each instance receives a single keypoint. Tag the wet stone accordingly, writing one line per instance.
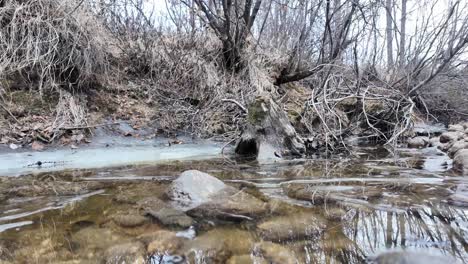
(283, 228)
(245, 259)
(239, 206)
(275, 253)
(319, 194)
(460, 161)
(132, 252)
(162, 242)
(193, 188)
(129, 220)
(459, 145)
(418, 142)
(164, 213)
(450, 136)
(406, 257)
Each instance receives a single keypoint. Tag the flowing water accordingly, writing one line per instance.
(336, 210)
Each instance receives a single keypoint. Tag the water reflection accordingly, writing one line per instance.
(369, 204)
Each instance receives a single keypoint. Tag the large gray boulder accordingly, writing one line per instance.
(204, 196)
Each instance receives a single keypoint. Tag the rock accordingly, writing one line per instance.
(210, 250)
(460, 161)
(93, 239)
(461, 144)
(238, 241)
(407, 257)
(319, 194)
(193, 188)
(129, 220)
(246, 259)
(238, 206)
(165, 214)
(450, 136)
(418, 142)
(301, 225)
(275, 253)
(434, 142)
(128, 253)
(203, 195)
(162, 242)
(37, 146)
(456, 128)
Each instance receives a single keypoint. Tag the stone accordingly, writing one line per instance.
(460, 161)
(406, 257)
(434, 142)
(450, 136)
(284, 228)
(418, 142)
(238, 206)
(275, 253)
(456, 128)
(319, 194)
(193, 188)
(129, 220)
(246, 259)
(165, 214)
(459, 145)
(128, 253)
(162, 242)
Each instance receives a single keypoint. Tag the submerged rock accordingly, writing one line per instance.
(238, 206)
(300, 225)
(407, 257)
(165, 214)
(275, 253)
(418, 142)
(460, 161)
(319, 194)
(247, 258)
(162, 242)
(129, 220)
(132, 252)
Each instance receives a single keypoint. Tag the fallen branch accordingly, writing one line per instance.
(236, 103)
(90, 126)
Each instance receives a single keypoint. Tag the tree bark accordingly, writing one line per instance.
(402, 55)
(388, 7)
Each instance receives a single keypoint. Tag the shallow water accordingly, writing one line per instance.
(370, 203)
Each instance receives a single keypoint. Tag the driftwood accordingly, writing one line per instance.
(269, 133)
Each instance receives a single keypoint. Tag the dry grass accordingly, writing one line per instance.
(50, 44)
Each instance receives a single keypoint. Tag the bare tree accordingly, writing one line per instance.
(232, 22)
(389, 34)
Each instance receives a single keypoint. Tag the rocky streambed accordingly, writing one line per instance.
(372, 207)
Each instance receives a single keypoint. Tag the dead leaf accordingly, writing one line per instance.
(37, 146)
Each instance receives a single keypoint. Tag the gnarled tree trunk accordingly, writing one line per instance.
(269, 134)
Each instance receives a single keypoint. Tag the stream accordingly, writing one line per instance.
(112, 206)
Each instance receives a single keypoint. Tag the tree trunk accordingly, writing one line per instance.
(388, 7)
(403, 34)
(269, 134)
